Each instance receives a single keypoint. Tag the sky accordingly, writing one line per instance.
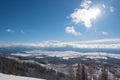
(25, 21)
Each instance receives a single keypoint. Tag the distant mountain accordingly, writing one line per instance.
(104, 45)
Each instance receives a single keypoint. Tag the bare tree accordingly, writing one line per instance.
(83, 73)
(104, 74)
(91, 69)
(71, 75)
(78, 72)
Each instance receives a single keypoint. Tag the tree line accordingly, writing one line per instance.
(90, 72)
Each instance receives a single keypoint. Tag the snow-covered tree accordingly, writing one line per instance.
(71, 75)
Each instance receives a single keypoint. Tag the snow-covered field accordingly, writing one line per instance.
(67, 54)
(12, 77)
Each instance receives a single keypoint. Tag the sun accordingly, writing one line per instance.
(94, 12)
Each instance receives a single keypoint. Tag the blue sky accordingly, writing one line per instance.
(44, 20)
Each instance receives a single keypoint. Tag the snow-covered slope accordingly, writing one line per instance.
(12, 77)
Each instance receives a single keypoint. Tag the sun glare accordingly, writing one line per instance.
(96, 11)
(93, 13)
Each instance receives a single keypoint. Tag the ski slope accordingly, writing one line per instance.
(12, 77)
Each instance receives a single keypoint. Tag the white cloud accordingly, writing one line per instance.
(85, 14)
(115, 40)
(85, 4)
(9, 30)
(71, 30)
(103, 43)
(112, 9)
(22, 32)
(104, 33)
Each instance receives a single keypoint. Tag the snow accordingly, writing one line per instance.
(12, 77)
(21, 54)
(27, 61)
(67, 54)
